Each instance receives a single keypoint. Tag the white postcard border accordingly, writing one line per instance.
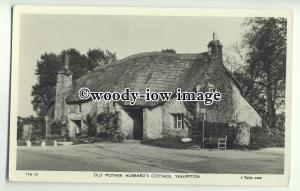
(89, 177)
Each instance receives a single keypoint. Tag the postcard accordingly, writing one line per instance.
(150, 95)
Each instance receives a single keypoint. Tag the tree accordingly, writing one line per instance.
(38, 128)
(43, 92)
(234, 58)
(79, 64)
(99, 57)
(46, 72)
(263, 78)
(169, 51)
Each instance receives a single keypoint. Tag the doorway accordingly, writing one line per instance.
(77, 127)
(137, 117)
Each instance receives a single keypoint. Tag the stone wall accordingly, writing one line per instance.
(49, 117)
(216, 77)
(72, 129)
(125, 122)
(153, 123)
(243, 134)
(170, 109)
(75, 115)
(63, 87)
(92, 108)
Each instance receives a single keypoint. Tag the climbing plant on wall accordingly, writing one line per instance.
(109, 121)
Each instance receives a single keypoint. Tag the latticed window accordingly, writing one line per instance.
(178, 121)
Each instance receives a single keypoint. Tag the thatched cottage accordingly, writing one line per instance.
(159, 71)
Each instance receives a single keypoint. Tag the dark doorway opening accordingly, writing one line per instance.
(78, 127)
(137, 116)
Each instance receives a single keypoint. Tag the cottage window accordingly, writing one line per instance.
(178, 121)
(79, 108)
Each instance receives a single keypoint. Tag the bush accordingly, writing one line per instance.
(261, 138)
(49, 142)
(56, 129)
(110, 122)
(119, 137)
(92, 126)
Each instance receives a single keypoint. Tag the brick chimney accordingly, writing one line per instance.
(215, 47)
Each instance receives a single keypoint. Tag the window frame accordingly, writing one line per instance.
(178, 121)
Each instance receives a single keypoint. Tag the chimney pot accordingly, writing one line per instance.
(215, 46)
(214, 36)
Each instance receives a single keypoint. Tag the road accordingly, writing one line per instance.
(123, 157)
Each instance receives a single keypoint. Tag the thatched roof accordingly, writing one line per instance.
(159, 71)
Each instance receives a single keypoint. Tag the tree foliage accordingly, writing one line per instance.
(169, 50)
(263, 78)
(43, 92)
(38, 129)
(56, 129)
(46, 72)
(109, 121)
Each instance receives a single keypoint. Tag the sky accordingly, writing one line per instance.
(124, 35)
